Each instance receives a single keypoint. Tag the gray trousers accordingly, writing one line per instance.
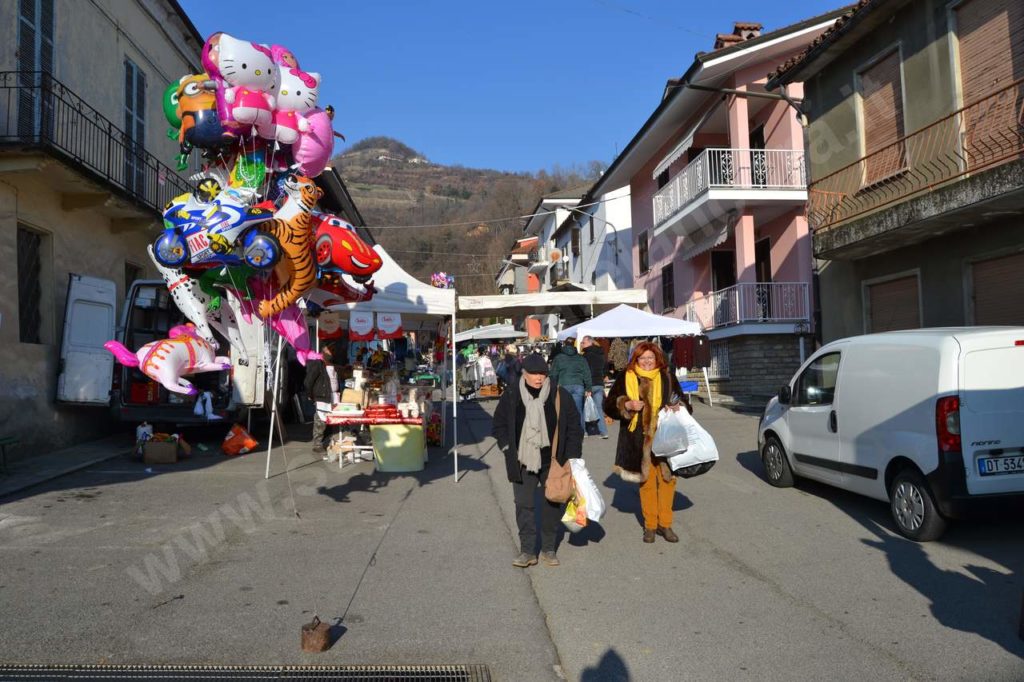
(525, 495)
(319, 427)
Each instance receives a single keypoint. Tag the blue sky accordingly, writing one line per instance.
(518, 85)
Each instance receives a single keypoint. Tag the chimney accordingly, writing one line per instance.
(741, 30)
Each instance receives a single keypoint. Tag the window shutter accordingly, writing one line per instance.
(999, 290)
(129, 97)
(45, 28)
(991, 47)
(894, 305)
(27, 36)
(882, 110)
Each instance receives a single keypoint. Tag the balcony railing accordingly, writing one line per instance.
(730, 169)
(981, 135)
(752, 302)
(38, 111)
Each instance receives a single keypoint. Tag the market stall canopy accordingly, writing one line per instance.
(491, 331)
(547, 302)
(397, 292)
(627, 321)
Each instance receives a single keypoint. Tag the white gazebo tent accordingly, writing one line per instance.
(418, 303)
(491, 332)
(626, 321)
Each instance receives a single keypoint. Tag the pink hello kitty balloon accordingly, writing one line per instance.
(296, 97)
(245, 77)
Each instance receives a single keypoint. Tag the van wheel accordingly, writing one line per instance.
(776, 466)
(913, 508)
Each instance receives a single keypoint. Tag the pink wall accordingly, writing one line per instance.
(790, 239)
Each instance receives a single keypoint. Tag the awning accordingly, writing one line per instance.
(701, 241)
(489, 332)
(676, 152)
(624, 321)
(547, 302)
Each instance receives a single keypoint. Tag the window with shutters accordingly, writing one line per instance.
(997, 290)
(893, 303)
(881, 115)
(30, 285)
(668, 288)
(990, 50)
(575, 242)
(35, 58)
(134, 127)
(591, 229)
(641, 249)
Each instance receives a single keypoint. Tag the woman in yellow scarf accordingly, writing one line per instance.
(635, 399)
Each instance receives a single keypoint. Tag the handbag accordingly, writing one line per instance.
(558, 486)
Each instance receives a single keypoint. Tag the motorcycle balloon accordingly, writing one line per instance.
(261, 250)
(170, 249)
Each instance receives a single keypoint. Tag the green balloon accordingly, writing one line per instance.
(171, 105)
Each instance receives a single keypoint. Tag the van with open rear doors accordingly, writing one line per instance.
(930, 420)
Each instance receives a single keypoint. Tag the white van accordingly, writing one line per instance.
(931, 420)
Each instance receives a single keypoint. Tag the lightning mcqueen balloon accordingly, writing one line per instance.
(339, 249)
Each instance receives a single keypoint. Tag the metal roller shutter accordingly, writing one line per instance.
(882, 96)
(991, 45)
(894, 305)
(998, 289)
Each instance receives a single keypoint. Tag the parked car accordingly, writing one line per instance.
(931, 420)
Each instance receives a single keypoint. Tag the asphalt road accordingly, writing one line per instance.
(203, 562)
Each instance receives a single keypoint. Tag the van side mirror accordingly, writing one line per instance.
(785, 395)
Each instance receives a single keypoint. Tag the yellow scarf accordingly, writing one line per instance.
(633, 390)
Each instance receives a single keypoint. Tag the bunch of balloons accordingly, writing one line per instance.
(442, 280)
(251, 232)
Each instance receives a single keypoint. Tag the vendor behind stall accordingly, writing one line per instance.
(321, 386)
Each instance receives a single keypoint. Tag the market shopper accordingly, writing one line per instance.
(531, 416)
(321, 384)
(570, 371)
(638, 394)
(598, 363)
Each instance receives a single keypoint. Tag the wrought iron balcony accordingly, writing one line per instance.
(757, 170)
(39, 112)
(758, 302)
(982, 135)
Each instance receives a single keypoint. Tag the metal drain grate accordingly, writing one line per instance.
(167, 673)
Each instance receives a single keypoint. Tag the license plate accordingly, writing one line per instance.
(991, 466)
(197, 243)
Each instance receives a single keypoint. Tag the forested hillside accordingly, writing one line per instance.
(432, 217)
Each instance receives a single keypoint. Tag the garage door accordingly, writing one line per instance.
(998, 289)
(894, 304)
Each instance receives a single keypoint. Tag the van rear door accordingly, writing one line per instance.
(85, 365)
(992, 409)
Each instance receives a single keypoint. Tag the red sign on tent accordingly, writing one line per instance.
(389, 326)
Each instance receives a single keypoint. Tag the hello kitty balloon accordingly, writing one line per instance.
(245, 76)
(297, 95)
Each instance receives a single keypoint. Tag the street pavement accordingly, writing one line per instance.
(205, 562)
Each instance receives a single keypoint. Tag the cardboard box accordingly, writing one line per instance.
(353, 395)
(159, 452)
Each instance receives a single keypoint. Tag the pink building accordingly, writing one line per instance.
(718, 189)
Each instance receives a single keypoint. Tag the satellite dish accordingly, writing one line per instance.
(555, 255)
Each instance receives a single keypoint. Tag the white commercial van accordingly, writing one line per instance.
(931, 420)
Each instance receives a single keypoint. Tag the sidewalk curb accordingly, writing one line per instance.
(39, 479)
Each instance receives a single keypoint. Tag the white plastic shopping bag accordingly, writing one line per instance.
(672, 435)
(585, 487)
(590, 410)
(701, 454)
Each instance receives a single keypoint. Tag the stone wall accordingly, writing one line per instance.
(758, 366)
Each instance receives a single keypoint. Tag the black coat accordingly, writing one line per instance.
(629, 450)
(505, 430)
(594, 355)
(318, 382)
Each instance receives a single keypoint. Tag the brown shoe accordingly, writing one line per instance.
(648, 535)
(524, 559)
(550, 559)
(668, 534)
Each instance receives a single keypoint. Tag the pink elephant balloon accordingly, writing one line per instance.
(315, 145)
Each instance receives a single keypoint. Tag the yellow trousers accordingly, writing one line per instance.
(656, 498)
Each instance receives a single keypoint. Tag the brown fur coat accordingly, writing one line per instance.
(633, 458)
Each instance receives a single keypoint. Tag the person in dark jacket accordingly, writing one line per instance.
(320, 387)
(635, 399)
(531, 416)
(570, 371)
(598, 363)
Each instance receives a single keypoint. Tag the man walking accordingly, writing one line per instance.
(321, 384)
(594, 355)
(570, 371)
(534, 422)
